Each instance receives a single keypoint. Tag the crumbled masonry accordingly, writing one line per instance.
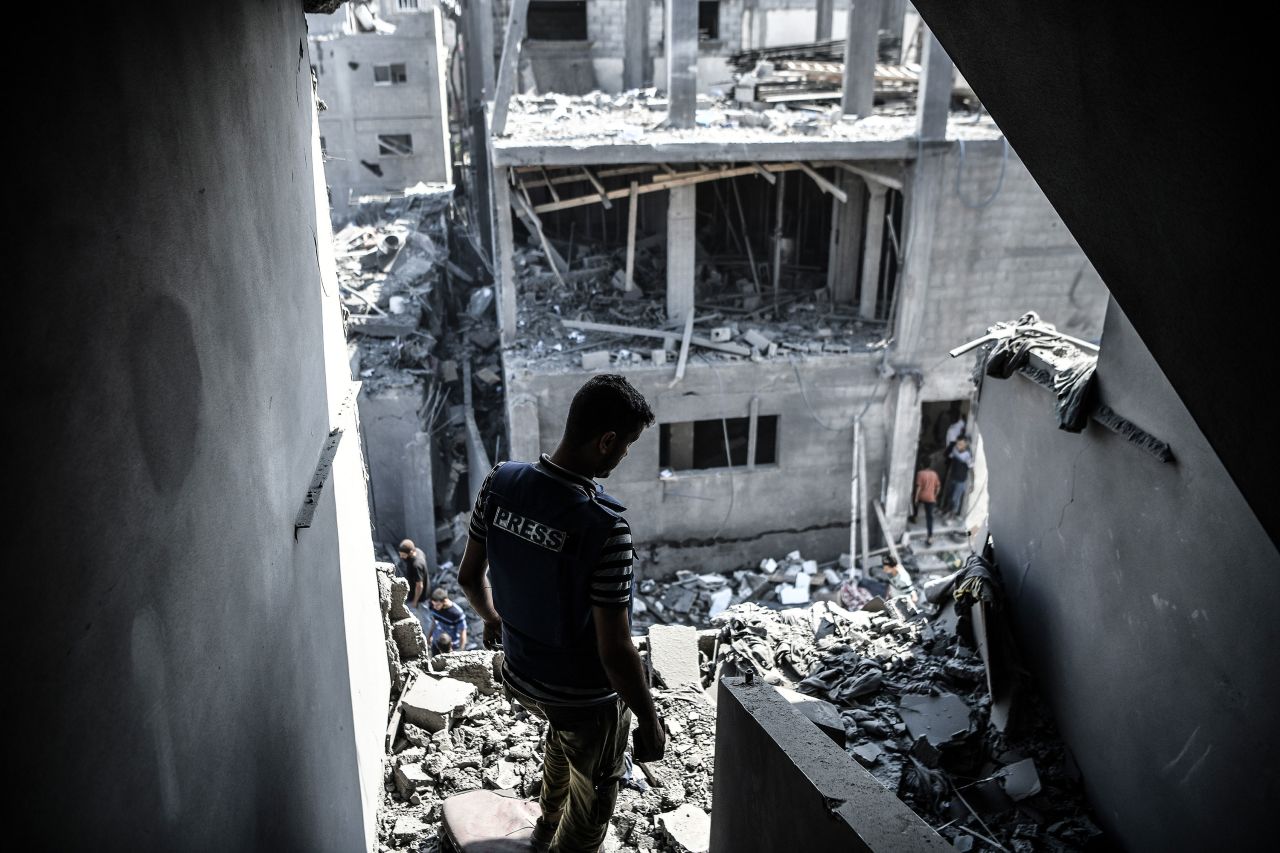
(900, 687)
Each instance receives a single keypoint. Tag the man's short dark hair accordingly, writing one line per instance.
(406, 546)
(438, 594)
(889, 560)
(606, 403)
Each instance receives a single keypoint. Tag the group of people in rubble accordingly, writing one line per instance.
(957, 460)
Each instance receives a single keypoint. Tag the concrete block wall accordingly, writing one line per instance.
(189, 668)
(1000, 249)
(724, 519)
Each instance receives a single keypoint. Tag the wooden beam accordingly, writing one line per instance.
(576, 177)
(665, 183)
(764, 173)
(892, 183)
(551, 188)
(825, 185)
(705, 343)
(520, 201)
(506, 84)
(862, 492)
(884, 529)
(604, 195)
(753, 422)
(684, 349)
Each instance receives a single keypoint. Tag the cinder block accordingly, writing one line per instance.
(659, 356)
(598, 360)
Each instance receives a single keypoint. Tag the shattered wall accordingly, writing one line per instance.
(725, 518)
(193, 672)
(1145, 594)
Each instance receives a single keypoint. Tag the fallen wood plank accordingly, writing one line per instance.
(665, 182)
(384, 326)
(705, 343)
(604, 194)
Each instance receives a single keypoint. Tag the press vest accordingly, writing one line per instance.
(544, 541)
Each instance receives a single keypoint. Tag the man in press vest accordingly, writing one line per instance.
(548, 567)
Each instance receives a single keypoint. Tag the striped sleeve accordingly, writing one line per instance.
(478, 529)
(611, 580)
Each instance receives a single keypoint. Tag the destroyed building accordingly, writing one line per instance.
(216, 671)
(381, 72)
(828, 256)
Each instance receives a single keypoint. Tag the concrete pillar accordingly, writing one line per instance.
(477, 25)
(936, 80)
(892, 15)
(504, 271)
(826, 13)
(846, 239)
(871, 246)
(525, 439)
(419, 497)
(860, 57)
(636, 69)
(681, 41)
(681, 255)
(923, 191)
(903, 410)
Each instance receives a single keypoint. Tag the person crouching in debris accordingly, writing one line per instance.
(559, 554)
(899, 581)
(448, 623)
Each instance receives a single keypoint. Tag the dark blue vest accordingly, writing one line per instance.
(543, 542)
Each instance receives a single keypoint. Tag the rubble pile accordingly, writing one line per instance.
(913, 706)
(453, 730)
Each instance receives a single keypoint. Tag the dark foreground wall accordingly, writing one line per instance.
(781, 784)
(186, 673)
(1146, 597)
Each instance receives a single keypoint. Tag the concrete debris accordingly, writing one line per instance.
(688, 828)
(408, 637)
(432, 702)
(905, 696)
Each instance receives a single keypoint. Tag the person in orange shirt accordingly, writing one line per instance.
(927, 487)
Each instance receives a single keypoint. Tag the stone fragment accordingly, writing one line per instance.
(821, 713)
(409, 638)
(597, 360)
(409, 778)
(688, 828)
(941, 719)
(407, 828)
(430, 702)
(399, 592)
(673, 649)
(474, 667)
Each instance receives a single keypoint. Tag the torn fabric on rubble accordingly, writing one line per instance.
(1074, 387)
(977, 582)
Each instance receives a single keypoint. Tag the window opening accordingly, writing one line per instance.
(699, 445)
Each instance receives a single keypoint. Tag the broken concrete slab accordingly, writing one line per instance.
(410, 777)
(597, 360)
(1020, 779)
(473, 667)
(942, 719)
(821, 713)
(399, 592)
(408, 636)
(408, 828)
(431, 702)
(688, 828)
(868, 753)
(673, 649)
(757, 339)
(502, 776)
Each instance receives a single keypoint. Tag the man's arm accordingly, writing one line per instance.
(473, 577)
(625, 670)
(417, 594)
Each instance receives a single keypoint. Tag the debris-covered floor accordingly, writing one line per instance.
(905, 693)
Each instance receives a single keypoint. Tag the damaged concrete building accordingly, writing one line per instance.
(827, 255)
(233, 666)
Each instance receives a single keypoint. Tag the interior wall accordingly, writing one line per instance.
(184, 676)
(721, 519)
(1144, 594)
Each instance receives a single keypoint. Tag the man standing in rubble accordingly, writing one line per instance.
(548, 568)
(959, 461)
(415, 572)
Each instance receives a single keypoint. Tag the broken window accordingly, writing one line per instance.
(390, 75)
(709, 20)
(406, 5)
(698, 445)
(557, 20)
(324, 149)
(395, 144)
